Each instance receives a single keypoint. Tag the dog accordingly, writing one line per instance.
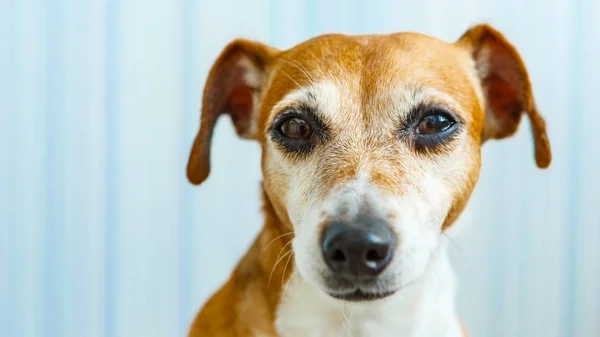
(371, 147)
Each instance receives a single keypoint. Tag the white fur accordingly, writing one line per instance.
(423, 309)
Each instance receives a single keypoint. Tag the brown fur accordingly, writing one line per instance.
(246, 304)
(489, 100)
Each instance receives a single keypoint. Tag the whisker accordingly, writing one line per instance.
(341, 315)
(277, 262)
(347, 326)
(460, 251)
(294, 273)
(275, 266)
(282, 249)
(453, 242)
(271, 242)
(351, 313)
(285, 268)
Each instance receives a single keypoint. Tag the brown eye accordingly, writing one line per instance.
(433, 124)
(296, 128)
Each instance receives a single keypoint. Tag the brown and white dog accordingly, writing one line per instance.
(370, 151)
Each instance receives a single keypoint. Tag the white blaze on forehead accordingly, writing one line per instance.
(347, 200)
(353, 198)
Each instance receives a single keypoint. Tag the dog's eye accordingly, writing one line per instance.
(430, 127)
(434, 123)
(296, 128)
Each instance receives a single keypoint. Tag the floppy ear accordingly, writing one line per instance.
(506, 87)
(233, 86)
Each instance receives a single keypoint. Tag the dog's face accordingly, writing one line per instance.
(370, 144)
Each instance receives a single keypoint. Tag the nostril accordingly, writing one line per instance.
(374, 256)
(338, 256)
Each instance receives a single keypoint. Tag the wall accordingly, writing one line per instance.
(101, 234)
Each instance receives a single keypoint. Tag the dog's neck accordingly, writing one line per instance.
(424, 309)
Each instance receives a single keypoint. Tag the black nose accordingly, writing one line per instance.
(358, 249)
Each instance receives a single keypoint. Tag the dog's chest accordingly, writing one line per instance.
(340, 323)
(304, 312)
(348, 323)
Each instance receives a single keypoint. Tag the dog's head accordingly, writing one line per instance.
(370, 144)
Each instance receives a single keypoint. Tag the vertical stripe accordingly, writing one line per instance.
(27, 183)
(312, 27)
(6, 211)
(189, 121)
(572, 220)
(54, 255)
(111, 311)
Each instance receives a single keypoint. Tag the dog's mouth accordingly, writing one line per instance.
(359, 295)
(358, 290)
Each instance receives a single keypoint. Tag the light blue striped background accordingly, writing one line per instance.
(101, 235)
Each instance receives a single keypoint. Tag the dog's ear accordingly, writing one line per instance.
(233, 86)
(506, 87)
